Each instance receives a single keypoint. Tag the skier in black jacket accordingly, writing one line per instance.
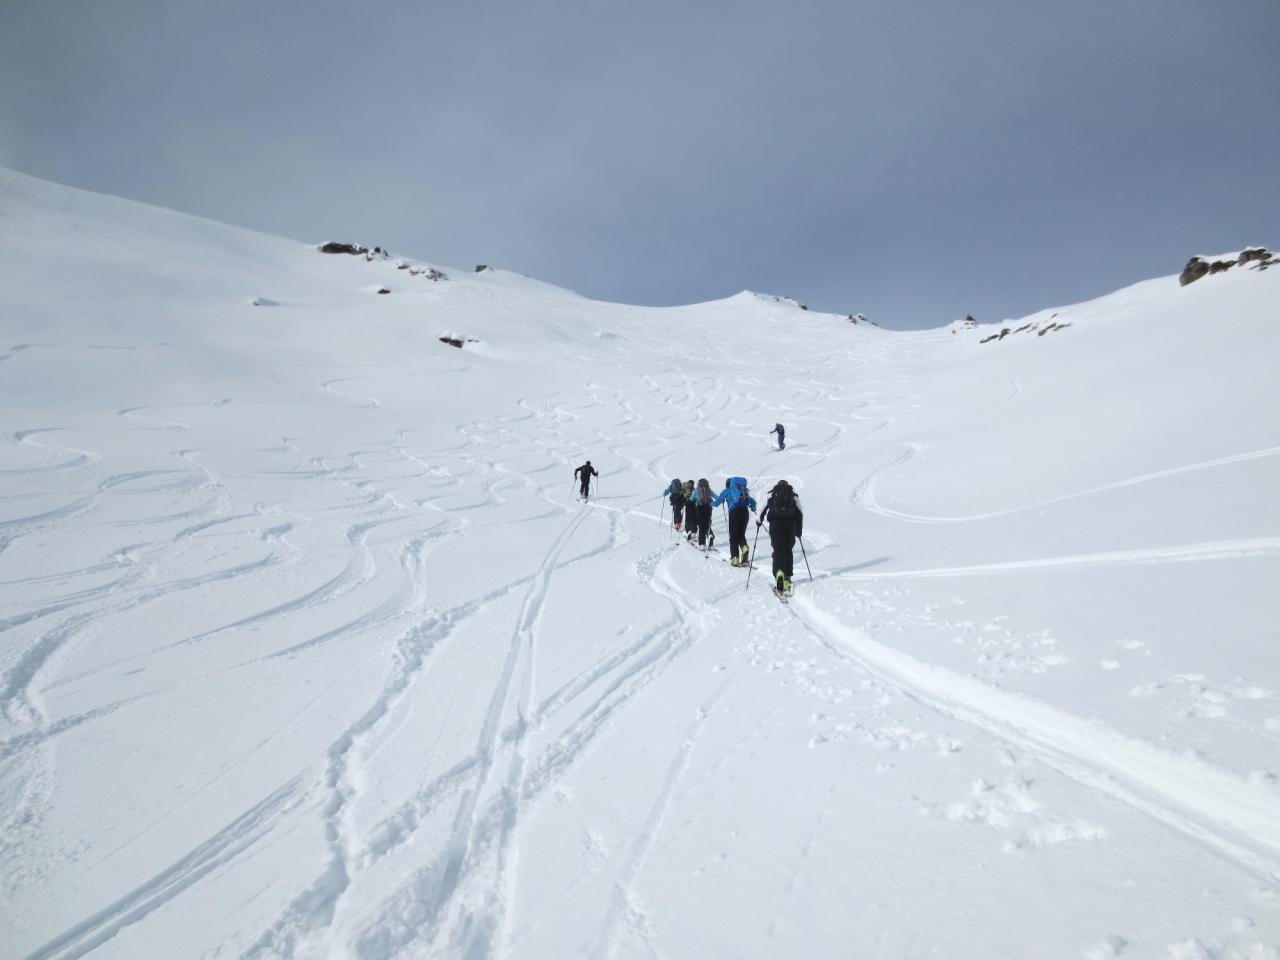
(699, 513)
(586, 471)
(786, 523)
(675, 492)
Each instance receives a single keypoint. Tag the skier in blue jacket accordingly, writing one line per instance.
(781, 431)
(739, 500)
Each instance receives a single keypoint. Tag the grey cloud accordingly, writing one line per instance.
(913, 161)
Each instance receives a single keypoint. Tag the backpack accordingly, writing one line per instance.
(783, 499)
(704, 492)
(675, 488)
(737, 492)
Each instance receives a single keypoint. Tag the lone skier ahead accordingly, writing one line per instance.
(586, 471)
(781, 431)
(786, 522)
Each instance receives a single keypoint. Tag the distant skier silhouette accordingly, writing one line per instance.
(781, 431)
(586, 472)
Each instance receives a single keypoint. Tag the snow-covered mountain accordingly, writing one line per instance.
(308, 649)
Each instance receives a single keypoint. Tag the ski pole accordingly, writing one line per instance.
(806, 557)
(751, 560)
(662, 509)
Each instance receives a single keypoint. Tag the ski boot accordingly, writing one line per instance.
(745, 552)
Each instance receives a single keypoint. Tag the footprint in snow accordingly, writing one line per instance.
(1109, 948)
(1010, 809)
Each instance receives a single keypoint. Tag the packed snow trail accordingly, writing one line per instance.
(1239, 818)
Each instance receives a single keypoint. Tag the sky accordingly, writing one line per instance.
(912, 161)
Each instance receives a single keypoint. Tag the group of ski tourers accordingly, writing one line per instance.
(693, 505)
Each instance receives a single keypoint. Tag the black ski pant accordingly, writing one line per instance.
(782, 535)
(737, 530)
(585, 489)
(703, 512)
(677, 511)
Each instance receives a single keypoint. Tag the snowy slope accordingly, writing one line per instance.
(308, 649)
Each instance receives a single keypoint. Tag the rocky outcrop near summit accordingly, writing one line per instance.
(1036, 327)
(378, 253)
(354, 249)
(1198, 267)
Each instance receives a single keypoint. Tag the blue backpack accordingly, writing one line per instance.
(737, 492)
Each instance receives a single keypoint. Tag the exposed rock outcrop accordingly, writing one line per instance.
(456, 341)
(377, 253)
(1198, 267)
(352, 248)
(355, 250)
(431, 273)
(1037, 328)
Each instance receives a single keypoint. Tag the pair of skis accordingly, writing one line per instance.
(705, 548)
(723, 559)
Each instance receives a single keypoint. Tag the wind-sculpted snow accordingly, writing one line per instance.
(308, 648)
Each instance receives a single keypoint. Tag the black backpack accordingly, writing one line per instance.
(783, 499)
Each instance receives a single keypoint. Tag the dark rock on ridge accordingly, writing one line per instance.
(1198, 267)
(352, 248)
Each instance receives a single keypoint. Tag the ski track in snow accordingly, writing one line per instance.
(233, 841)
(1239, 819)
(865, 492)
(1186, 553)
